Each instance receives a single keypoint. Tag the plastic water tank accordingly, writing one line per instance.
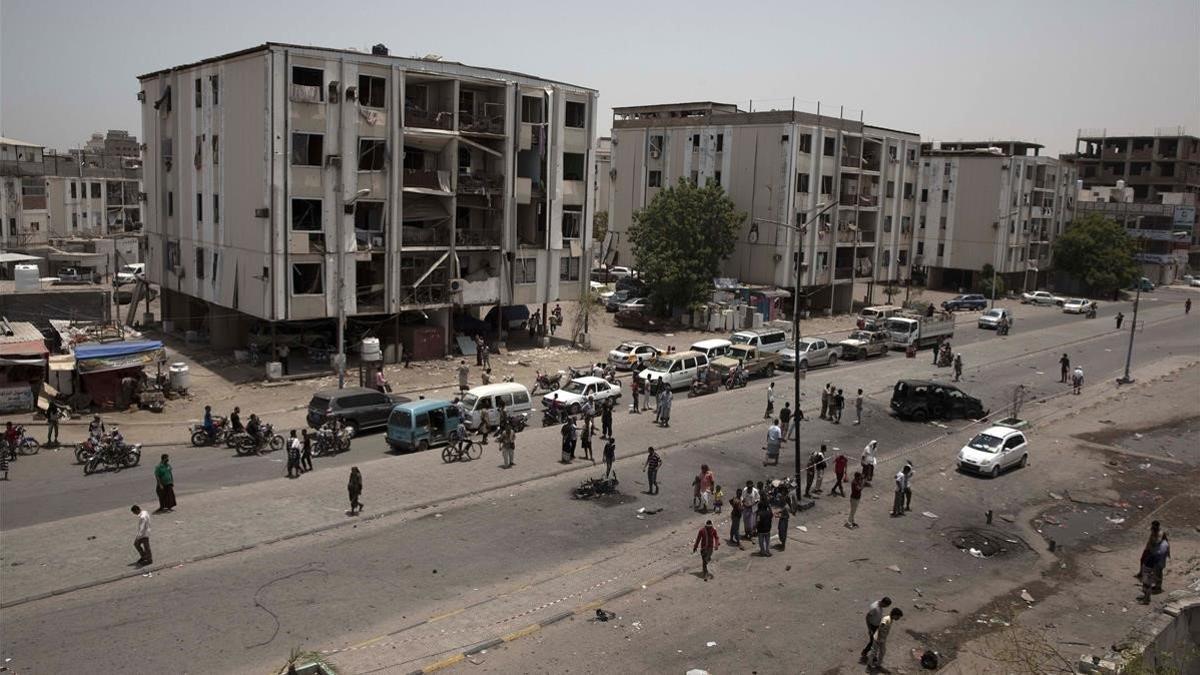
(274, 370)
(370, 350)
(181, 379)
(27, 277)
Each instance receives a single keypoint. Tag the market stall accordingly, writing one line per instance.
(110, 372)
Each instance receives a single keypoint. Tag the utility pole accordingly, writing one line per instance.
(347, 207)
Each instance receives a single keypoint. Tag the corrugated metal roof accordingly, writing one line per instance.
(13, 141)
(22, 331)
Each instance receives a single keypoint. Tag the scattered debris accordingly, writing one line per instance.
(1026, 596)
(894, 568)
(802, 528)
(1101, 549)
(1055, 495)
(918, 592)
(854, 560)
(1008, 518)
(1115, 521)
(649, 512)
(710, 643)
(976, 553)
(929, 514)
(1052, 520)
(636, 625)
(604, 615)
(820, 586)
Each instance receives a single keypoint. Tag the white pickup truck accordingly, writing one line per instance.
(813, 352)
(918, 330)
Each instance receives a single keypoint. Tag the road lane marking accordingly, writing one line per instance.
(518, 634)
(444, 663)
(447, 615)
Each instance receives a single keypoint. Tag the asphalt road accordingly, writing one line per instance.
(487, 560)
(51, 486)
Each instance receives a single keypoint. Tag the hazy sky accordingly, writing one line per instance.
(1028, 69)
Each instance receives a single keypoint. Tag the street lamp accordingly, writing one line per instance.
(347, 207)
(819, 210)
(1003, 255)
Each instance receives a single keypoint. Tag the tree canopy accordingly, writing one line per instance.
(600, 225)
(986, 276)
(1097, 252)
(680, 239)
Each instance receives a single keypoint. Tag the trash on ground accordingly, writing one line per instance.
(604, 615)
(1055, 495)
(710, 643)
(1115, 521)
(1026, 596)
(802, 528)
(976, 553)
(696, 671)
(894, 568)
(929, 514)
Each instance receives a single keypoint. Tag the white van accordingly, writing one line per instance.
(677, 370)
(873, 318)
(766, 339)
(712, 348)
(482, 402)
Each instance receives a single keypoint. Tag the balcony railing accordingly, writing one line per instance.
(425, 119)
(850, 160)
(426, 236)
(423, 295)
(489, 236)
(481, 124)
(858, 200)
(429, 179)
(480, 184)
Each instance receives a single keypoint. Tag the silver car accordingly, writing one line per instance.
(991, 318)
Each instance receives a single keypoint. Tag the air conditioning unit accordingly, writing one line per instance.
(457, 285)
(654, 154)
(333, 160)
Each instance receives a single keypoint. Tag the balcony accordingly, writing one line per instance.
(416, 117)
(867, 201)
(427, 179)
(477, 237)
(481, 124)
(482, 292)
(424, 295)
(843, 272)
(480, 184)
(436, 236)
(851, 161)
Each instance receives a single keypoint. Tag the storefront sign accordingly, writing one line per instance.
(17, 398)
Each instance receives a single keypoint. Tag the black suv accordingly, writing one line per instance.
(922, 400)
(358, 407)
(971, 301)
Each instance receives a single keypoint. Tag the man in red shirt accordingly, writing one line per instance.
(839, 470)
(707, 540)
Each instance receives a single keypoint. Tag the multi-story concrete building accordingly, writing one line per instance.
(1166, 162)
(23, 212)
(285, 182)
(995, 203)
(778, 167)
(1162, 231)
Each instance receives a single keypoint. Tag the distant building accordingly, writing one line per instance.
(601, 173)
(997, 203)
(777, 167)
(1153, 166)
(286, 183)
(1162, 231)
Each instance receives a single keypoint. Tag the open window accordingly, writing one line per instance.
(308, 84)
(572, 222)
(372, 154)
(308, 279)
(573, 166)
(306, 215)
(576, 114)
(531, 109)
(307, 149)
(372, 91)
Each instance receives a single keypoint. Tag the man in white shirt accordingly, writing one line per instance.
(142, 541)
(774, 440)
(874, 617)
(770, 401)
(901, 488)
(750, 498)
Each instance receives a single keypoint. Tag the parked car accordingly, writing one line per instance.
(357, 407)
(922, 400)
(813, 352)
(753, 360)
(631, 355)
(639, 320)
(677, 370)
(992, 317)
(1078, 306)
(481, 405)
(993, 450)
(965, 302)
(712, 348)
(74, 275)
(1041, 298)
(130, 272)
(577, 391)
(873, 318)
(1145, 283)
(766, 339)
(419, 425)
(634, 285)
(863, 344)
(613, 304)
(1194, 282)
(640, 304)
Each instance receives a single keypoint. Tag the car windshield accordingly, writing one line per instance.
(741, 339)
(986, 443)
(993, 312)
(575, 387)
(901, 325)
(401, 418)
(318, 403)
(660, 365)
(469, 401)
(624, 348)
(860, 335)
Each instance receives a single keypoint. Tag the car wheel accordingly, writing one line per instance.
(995, 471)
(803, 366)
(920, 415)
(422, 445)
(770, 372)
(1024, 461)
(833, 359)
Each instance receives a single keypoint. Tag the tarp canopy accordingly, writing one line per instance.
(96, 358)
(24, 348)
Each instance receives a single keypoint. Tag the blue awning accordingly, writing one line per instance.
(97, 358)
(110, 349)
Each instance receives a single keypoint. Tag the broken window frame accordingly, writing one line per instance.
(302, 155)
(574, 231)
(367, 207)
(308, 71)
(372, 154)
(574, 169)
(525, 271)
(569, 268)
(531, 105)
(372, 91)
(306, 210)
(315, 285)
(654, 179)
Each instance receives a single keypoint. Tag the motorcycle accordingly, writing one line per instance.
(736, 379)
(554, 416)
(85, 450)
(249, 445)
(546, 382)
(1091, 313)
(114, 455)
(201, 438)
(25, 445)
(1003, 329)
(326, 444)
(597, 487)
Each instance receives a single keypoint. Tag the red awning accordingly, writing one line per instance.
(27, 348)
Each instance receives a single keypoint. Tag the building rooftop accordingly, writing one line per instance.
(710, 112)
(15, 142)
(428, 63)
(1159, 132)
(997, 148)
(689, 109)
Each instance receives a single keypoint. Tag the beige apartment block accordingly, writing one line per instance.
(990, 202)
(287, 181)
(779, 167)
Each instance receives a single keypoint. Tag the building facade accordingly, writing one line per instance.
(995, 203)
(1161, 231)
(286, 182)
(1162, 168)
(779, 167)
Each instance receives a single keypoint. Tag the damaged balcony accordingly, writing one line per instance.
(369, 283)
(428, 103)
(369, 226)
(477, 222)
(481, 110)
(424, 280)
(531, 225)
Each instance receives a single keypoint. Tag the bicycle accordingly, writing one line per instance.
(463, 450)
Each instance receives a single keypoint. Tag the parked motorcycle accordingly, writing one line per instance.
(113, 455)
(737, 378)
(326, 444)
(267, 439)
(554, 416)
(546, 382)
(85, 450)
(201, 438)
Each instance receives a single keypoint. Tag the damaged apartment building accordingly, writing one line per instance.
(287, 183)
(847, 189)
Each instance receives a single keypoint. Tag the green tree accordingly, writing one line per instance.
(1097, 252)
(600, 225)
(680, 239)
(985, 282)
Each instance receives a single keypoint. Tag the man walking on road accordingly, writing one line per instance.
(1077, 379)
(839, 404)
(610, 456)
(957, 367)
(653, 461)
(1187, 306)
(606, 419)
(293, 457)
(141, 541)
(868, 462)
(53, 415)
(874, 618)
(785, 416)
(879, 649)
(826, 399)
(707, 540)
(901, 488)
(858, 404)
(908, 485)
(749, 506)
(764, 528)
(664, 405)
(508, 445)
(856, 487)
(306, 451)
(1065, 363)
(635, 388)
(165, 484)
(735, 519)
(839, 473)
(770, 401)
(463, 371)
(354, 487)
(1120, 320)
(819, 463)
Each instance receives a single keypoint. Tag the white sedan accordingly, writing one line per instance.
(993, 450)
(1041, 298)
(640, 304)
(578, 390)
(1078, 306)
